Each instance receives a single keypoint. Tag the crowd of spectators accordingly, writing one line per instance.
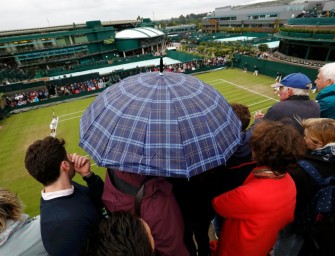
(192, 66)
(26, 97)
(297, 60)
(44, 93)
(313, 14)
(53, 89)
(79, 87)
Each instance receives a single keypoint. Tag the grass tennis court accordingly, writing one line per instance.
(19, 130)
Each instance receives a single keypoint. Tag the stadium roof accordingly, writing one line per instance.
(137, 33)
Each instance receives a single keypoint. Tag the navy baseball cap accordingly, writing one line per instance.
(295, 80)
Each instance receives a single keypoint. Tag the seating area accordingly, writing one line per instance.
(298, 61)
(13, 75)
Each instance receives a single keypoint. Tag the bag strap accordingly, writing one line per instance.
(127, 188)
(121, 185)
(310, 169)
(325, 202)
(138, 200)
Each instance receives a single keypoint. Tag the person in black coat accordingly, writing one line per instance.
(320, 240)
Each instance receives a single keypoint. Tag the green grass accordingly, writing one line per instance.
(20, 130)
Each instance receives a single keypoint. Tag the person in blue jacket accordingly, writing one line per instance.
(325, 82)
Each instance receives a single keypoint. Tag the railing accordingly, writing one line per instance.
(312, 34)
(321, 21)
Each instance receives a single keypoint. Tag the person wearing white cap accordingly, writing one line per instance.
(294, 104)
(325, 83)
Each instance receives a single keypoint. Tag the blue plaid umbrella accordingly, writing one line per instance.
(171, 125)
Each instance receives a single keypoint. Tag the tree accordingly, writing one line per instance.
(182, 19)
(263, 47)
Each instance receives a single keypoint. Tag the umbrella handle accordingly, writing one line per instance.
(161, 66)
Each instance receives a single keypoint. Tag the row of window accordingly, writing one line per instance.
(262, 16)
(240, 25)
(250, 17)
(52, 53)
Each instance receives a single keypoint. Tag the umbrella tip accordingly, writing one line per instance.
(161, 66)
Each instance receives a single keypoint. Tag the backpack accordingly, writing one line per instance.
(320, 211)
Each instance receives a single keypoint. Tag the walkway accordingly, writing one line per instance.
(108, 70)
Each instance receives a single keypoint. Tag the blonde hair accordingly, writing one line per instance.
(11, 207)
(320, 129)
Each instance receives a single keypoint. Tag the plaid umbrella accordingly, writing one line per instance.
(171, 125)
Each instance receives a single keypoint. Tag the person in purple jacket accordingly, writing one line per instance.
(152, 199)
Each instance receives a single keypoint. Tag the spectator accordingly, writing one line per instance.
(256, 211)
(19, 234)
(318, 240)
(294, 102)
(239, 165)
(325, 82)
(157, 207)
(69, 211)
(122, 234)
(243, 153)
(194, 197)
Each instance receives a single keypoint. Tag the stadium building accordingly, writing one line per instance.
(305, 29)
(309, 38)
(140, 40)
(180, 30)
(259, 16)
(23, 52)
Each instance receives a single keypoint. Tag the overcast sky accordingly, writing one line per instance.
(19, 14)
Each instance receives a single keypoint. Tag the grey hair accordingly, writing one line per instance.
(328, 71)
(298, 92)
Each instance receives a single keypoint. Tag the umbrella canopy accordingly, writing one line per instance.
(171, 125)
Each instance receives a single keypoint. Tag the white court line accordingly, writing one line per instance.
(69, 118)
(239, 86)
(258, 103)
(72, 113)
(92, 159)
(73, 118)
(253, 112)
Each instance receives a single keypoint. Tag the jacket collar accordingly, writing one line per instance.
(298, 97)
(327, 152)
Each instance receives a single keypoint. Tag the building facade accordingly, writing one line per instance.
(257, 17)
(28, 50)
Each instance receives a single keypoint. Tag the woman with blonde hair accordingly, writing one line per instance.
(19, 234)
(319, 135)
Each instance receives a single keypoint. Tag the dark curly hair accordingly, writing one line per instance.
(276, 145)
(242, 113)
(43, 159)
(122, 234)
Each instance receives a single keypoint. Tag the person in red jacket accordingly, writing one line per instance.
(256, 211)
